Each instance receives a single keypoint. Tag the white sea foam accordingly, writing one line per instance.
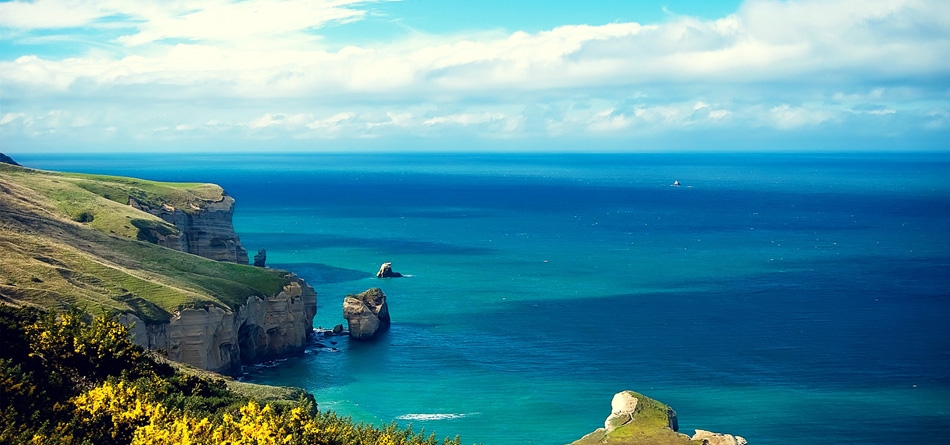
(434, 416)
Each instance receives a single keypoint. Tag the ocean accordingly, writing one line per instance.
(786, 298)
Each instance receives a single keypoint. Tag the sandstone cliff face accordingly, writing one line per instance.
(222, 340)
(207, 231)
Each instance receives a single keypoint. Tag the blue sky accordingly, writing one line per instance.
(557, 75)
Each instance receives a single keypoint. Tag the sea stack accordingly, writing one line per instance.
(386, 271)
(260, 258)
(366, 313)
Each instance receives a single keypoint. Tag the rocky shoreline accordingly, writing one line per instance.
(221, 340)
(252, 328)
(218, 339)
(259, 331)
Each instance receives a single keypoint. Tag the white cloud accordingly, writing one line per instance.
(288, 121)
(11, 117)
(259, 67)
(222, 21)
(332, 121)
(786, 117)
(52, 14)
(764, 41)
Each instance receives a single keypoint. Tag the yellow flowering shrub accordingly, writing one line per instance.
(63, 380)
(132, 417)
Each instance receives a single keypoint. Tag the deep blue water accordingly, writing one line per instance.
(785, 298)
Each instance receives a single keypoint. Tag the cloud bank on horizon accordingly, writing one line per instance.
(83, 75)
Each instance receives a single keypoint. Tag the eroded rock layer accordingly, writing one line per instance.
(205, 231)
(223, 340)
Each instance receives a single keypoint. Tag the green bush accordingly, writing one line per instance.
(75, 379)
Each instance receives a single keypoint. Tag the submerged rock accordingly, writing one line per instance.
(386, 271)
(366, 313)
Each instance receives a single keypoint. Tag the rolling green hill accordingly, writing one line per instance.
(73, 239)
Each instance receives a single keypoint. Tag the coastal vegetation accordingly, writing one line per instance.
(649, 422)
(73, 245)
(69, 239)
(76, 379)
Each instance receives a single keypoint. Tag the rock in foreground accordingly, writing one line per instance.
(636, 419)
(366, 313)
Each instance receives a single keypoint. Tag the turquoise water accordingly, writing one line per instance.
(784, 298)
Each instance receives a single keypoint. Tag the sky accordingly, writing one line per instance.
(465, 75)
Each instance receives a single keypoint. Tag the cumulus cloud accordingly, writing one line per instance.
(261, 66)
(147, 21)
(787, 117)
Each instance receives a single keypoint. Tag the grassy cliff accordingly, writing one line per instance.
(73, 239)
(649, 424)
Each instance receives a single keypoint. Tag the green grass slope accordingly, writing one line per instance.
(650, 426)
(72, 239)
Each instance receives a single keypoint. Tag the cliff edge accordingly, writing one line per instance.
(223, 340)
(205, 227)
(74, 239)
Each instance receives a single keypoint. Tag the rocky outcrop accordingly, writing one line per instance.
(636, 419)
(223, 340)
(260, 258)
(386, 271)
(622, 407)
(711, 438)
(205, 230)
(366, 313)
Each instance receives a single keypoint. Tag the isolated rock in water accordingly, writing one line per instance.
(260, 258)
(711, 438)
(366, 313)
(338, 329)
(7, 160)
(386, 271)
